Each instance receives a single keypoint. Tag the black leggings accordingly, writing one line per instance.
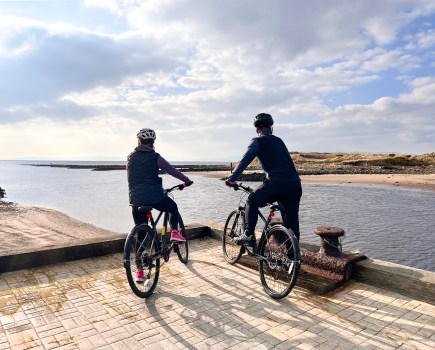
(286, 193)
(166, 204)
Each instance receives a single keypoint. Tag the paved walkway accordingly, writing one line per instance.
(207, 304)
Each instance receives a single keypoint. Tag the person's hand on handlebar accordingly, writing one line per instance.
(230, 183)
(187, 184)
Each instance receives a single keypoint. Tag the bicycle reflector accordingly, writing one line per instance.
(272, 214)
(149, 216)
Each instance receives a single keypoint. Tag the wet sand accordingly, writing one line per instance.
(424, 181)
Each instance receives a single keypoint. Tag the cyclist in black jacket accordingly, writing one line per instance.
(282, 181)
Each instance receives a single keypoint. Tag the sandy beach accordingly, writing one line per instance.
(421, 181)
(417, 181)
(27, 228)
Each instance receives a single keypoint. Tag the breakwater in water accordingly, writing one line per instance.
(306, 163)
(104, 167)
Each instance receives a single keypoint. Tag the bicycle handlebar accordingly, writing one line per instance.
(179, 187)
(247, 189)
(237, 186)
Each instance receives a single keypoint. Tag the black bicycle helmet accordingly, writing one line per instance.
(263, 119)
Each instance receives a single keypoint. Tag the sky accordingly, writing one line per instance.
(78, 79)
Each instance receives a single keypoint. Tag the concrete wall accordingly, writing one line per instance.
(76, 250)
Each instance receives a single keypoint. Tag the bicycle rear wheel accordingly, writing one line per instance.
(182, 249)
(139, 254)
(279, 261)
(234, 227)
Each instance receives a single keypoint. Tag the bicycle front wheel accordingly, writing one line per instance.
(279, 261)
(182, 249)
(234, 227)
(140, 252)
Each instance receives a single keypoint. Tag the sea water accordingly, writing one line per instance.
(382, 222)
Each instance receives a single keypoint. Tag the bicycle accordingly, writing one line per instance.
(144, 247)
(277, 251)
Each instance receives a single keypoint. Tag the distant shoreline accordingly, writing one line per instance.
(417, 177)
(413, 181)
(255, 175)
(105, 167)
(307, 163)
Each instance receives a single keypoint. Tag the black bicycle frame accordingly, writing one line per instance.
(154, 224)
(265, 221)
(163, 241)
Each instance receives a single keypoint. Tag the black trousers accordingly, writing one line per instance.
(287, 193)
(166, 204)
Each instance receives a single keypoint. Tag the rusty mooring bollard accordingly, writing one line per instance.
(329, 243)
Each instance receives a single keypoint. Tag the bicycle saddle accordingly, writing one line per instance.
(145, 208)
(274, 207)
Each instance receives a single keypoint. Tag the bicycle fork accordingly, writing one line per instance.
(236, 229)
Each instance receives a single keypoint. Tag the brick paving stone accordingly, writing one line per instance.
(205, 304)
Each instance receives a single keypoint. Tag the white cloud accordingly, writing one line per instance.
(49, 63)
(423, 93)
(403, 124)
(421, 40)
(391, 59)
(198, 71)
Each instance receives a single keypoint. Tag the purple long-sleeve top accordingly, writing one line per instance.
(164, 165)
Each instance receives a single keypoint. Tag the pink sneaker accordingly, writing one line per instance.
(176, 236)
(139, 277)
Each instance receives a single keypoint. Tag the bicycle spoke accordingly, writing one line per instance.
(233, 228)
(182, 249)
(143, 250)
(280, 263)
(278, 252)
(140, 257)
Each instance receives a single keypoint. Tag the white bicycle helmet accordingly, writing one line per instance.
(146, 134)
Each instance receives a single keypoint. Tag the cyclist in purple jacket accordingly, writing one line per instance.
(282, 181)
(145, 185)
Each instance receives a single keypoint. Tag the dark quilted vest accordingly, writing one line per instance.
(144, 184)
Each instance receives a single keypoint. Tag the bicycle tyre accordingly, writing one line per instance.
(146, 247)
(182, 249)
(279, 262)
(234, 226)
